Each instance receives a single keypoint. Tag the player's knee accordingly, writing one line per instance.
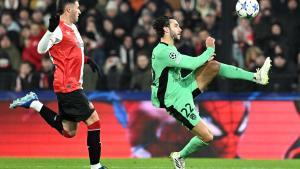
(69, 134)
(207, 138)
(210, 138)
(214, 66)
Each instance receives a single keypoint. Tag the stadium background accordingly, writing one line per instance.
(262, 123)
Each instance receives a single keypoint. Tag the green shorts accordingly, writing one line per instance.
(182, 107)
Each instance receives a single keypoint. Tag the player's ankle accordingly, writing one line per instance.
(36, 105)
(96, 166)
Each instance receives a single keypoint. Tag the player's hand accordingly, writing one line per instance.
(210, 42)
(53, 22)
(93, 66)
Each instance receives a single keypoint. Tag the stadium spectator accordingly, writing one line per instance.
(13, 53)
(26, 79)
(7, 74)
(46, 74)
(276, 37)
(199, 41)
(110, 42)
(143, 24)
(180, 17)
(127, 54)
(254, 58)
(126, 12)
(291, 23)
(152, 39)
(211, 25)
(140, 43)
(141, 76)
(30, 50)
(113, 69)
(186, 45)
(37, 17)
(262, 23)
(24, 18)
(24, 4)
(205, 6)
(192, 17)
(283, 74)
(9, 23)
(243, 38)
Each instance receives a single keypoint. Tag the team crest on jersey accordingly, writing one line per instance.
(173, 55)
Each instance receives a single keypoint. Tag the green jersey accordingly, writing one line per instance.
(167, 63)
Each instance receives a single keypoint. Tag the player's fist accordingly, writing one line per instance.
(53, 22)
(210, 42)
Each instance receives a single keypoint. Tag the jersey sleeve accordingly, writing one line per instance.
(49, 39)
(173, 58)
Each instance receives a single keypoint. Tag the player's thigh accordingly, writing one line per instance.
(184, 110)
(202, 131)
(92, 119)
(74, 106)
(70, 126)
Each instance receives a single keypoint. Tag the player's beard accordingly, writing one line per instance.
(174, 35)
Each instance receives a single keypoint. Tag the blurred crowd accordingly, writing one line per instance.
(118, 35)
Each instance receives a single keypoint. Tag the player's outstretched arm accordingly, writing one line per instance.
(176, 59)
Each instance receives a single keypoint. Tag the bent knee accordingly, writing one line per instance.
(69, 134)
(210, 138)
(207, 138)
(214, 66)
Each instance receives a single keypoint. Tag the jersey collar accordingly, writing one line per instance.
(164, 43)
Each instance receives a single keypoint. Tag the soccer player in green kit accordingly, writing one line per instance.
(176, 94)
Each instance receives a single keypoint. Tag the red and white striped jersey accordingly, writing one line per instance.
(66, 49)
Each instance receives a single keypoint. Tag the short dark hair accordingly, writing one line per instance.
(159, 24)
(61, 4)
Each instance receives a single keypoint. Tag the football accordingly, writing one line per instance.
(247, 8)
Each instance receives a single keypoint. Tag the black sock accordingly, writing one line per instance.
(94, 146)
(51, 118)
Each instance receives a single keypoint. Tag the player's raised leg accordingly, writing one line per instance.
(31, 100)
(261, 76)
(207, 72)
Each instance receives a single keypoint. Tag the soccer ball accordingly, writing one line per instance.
(247, 8)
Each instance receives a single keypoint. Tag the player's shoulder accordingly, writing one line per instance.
(57, 34)
(74, 27)
(163, 49)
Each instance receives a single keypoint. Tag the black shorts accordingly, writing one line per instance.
(74, 106)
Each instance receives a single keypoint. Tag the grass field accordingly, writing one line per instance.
(156, 163)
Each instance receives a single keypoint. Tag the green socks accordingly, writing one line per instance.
(233, 72)
(194, 145)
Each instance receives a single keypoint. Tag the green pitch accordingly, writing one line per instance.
(156, 163)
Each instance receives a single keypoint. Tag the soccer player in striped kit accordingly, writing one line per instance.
(66, 49)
